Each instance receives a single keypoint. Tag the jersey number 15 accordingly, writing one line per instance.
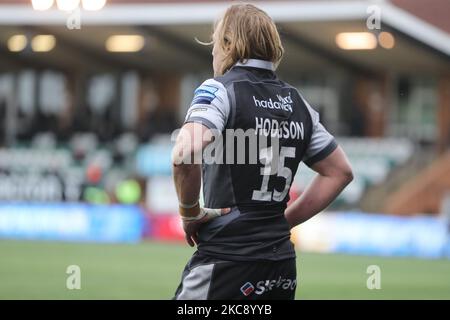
(266, 157)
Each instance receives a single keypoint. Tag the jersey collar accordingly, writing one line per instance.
(256, 63)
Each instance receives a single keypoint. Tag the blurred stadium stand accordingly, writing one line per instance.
(372, 160)
(82, 122)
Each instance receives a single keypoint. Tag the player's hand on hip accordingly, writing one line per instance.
(192, 223)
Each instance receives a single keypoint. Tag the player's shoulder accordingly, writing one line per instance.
(232, 75)
(286, 85)
(303, 102)
(210, 86)
(209, 90)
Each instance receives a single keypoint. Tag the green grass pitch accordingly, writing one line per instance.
(37, 270)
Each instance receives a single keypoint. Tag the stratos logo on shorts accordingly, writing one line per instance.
(247, 288)
(284, 103)
(269, 285)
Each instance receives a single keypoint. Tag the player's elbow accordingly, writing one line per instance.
(346, 175)
(179, 156)
(185, 154)
(344, 169)
(343, 174)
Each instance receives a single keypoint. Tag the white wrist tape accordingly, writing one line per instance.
(187, 206)
(211, 213)
(201, 215)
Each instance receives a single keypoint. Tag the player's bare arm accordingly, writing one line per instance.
(187, 173)
(334, 174)
(191, 141)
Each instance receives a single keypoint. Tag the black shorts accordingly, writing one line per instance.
(206, 278)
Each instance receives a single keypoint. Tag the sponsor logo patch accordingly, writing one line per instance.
(247, 289)
(204, 94)
(281, 103)
(268, 285)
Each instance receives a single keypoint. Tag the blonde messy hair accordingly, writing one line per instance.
(247, 32)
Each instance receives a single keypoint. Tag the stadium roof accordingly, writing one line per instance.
(309, 28)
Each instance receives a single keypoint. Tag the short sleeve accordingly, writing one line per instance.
(322, 143)
(210, 105)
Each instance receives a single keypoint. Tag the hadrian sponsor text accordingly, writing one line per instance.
(284, 103)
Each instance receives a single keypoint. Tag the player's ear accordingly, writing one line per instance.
(226, 45)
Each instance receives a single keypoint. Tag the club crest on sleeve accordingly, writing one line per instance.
(204, 94)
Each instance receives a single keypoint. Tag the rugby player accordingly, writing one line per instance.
(243, 238)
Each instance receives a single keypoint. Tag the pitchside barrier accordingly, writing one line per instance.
(71, 222)
(329, 232)
(375, 234)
